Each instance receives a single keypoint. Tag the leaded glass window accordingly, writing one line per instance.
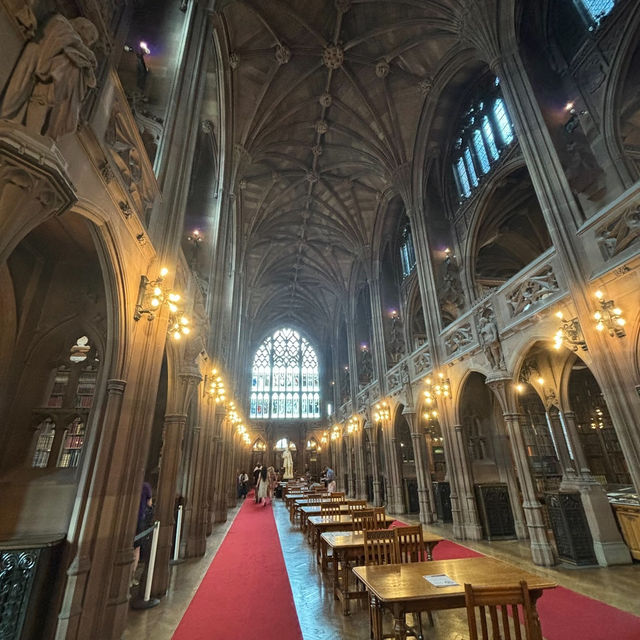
(285, 381)
(485, 131)
(407, 252)
(595, 10)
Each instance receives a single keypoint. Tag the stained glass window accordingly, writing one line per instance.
(485, 131)
(407, 252)
(597, 9)
(285, 382)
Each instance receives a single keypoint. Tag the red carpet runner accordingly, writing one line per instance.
(245, 594)
(565, 614)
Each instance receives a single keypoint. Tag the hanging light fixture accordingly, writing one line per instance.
(569, 334)
(609, 317)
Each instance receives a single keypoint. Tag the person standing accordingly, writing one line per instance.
(256, 479)
(243, 481)
(330, 478)
(263, 486)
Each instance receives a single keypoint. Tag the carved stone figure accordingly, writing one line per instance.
(451, 295)
(52, 78)
(22, 11)
(620, 234)
(346, 384)
(396, 340)
(287, 463)
(366, 366)
(490, 341)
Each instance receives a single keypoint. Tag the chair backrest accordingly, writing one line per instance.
(411, 544)
(381, 517)
(330, 509)
(362, 519)
(336, 497)
(380, 546)
(311, 499)
(355, 505)
(497, 613)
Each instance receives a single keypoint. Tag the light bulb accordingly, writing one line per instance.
(559, 315)
(155, 302)
(597, 315)
(621, 322)
(540, 380)
(599, 294)
(176, 335)
(617, 311)
(186, 330)
(184, 320)
(172, 307)
(599, 326)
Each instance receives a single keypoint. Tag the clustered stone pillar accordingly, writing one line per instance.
(423, 472)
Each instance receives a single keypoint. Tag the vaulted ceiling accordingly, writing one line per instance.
(326, 98)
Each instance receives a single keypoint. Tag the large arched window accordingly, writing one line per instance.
(594, 10)
(484, 132)
(284, 380)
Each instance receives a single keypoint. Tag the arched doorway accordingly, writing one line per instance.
(487, 448)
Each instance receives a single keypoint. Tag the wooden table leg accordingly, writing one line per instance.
(399, 625)
(336, 575)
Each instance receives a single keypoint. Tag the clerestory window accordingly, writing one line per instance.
(594, 10)
(407, 252)
(485, 131)
(285, 382)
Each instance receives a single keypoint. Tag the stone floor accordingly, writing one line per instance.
(320, 616)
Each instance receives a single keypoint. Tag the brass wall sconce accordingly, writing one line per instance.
(382, 412)
(151, 295)
(569, 334)
(352, 425)
(609, 317)
(440, 388)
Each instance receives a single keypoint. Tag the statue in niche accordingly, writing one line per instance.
(490, 340)
(52, 78)
(451, 294)
(346, 384)
(396, 339)
(366, 366)
(287, 463)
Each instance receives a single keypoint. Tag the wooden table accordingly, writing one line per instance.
(321, 524)
(347, 547)
(402, 589)
(309, 499)
(315, 509)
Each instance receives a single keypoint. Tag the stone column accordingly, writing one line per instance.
(396, 499)
(506, 466)
(172, 435)
(361, 476)
(373, 447)
(377, 329)
(564, 456)
(423, 472)
(576, 445)
(350, 470)
(469, 509)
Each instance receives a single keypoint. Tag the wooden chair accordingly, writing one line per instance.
(380, 546)
(381, 517)
(500, 610)
(411, 548)
(362, 519)
(336, 497)
(332, 509)
(355, 505)
(411, 544)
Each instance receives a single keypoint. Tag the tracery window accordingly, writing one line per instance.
(407, 252)
(485, 131)
(285, 383)
(595, 10)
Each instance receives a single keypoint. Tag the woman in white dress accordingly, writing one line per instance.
(263, 486)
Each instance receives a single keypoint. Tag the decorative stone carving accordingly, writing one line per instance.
(321, 127)
(459, 339)
(325, 100)
(316, 150)
(52, 78)
(489, 338)
(528, 370)
(425, 85)
(365, 368)
(450, 292)
(422, 362)
(394, 380)
(532, 291)
(122, 138)
(311, 177)
(382, 69)
(624, 232)
(22, 11)
(234, 60)
(343, 5)
(396, 344)
(333, 56)
(282, 54)
(581, 167)
(345, 386)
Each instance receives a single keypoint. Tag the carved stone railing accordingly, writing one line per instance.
(613, 235)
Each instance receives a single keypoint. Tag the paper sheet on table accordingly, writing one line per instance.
(441, 580)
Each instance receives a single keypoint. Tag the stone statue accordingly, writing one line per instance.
(287, 463)
(52, 78)
(491, 342)
(22, 11)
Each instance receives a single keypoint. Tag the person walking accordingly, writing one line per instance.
(256, 479)
(263, 486)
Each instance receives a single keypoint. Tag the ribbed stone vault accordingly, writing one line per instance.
(326, 98)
